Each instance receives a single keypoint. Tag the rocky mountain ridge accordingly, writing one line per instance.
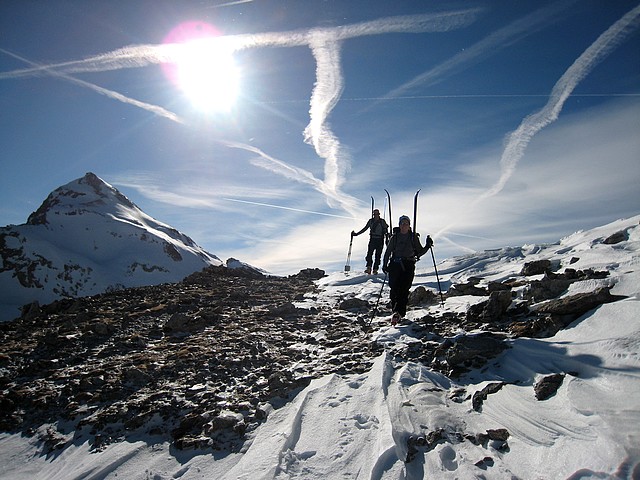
(202, 363)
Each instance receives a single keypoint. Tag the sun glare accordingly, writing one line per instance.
(204, 70)
(208, 76)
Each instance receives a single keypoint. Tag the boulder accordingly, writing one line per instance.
(548, 386)
(491, 310)
(480, 396)
(547, 288)
(537, 267)
(354, 305)
(470, 348)
(621, 236)
(579, 304)
(421, 296)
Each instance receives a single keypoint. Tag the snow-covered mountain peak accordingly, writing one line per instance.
(87, 238)
(88, 193)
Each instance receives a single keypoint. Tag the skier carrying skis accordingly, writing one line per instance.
(379, 232)
(402, 253)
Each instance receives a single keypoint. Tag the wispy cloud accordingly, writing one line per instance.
(263, 160)
(282, 207)
(593, 157)
(519, 139)
(155, 109)
(488, 46)
(230, 4)
(325, 44)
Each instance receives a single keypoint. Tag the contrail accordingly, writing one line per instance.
(137, 56)
(498, 40)
(325, 96)
(519, 139)
(346, 202)
(134, 56)
(229, 4)
(325, 45)
(455, 244)
(285, 208)
(155, 109)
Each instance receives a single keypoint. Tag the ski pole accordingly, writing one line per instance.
(375, 310)
(437, 277)
(347, 266)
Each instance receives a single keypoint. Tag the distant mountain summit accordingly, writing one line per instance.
(88, 238)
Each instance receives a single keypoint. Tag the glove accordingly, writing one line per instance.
(429, 242)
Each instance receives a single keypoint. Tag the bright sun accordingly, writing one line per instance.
(204, 69)
(208, 75)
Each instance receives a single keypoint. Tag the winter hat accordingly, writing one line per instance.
(402, 218)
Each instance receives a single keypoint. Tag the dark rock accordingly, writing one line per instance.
(283, 310)
(421, 296)
(547, 288)
(537, 267)
(621, 236)
(579, 304)
(480, 396)
(498, 434)
(310, 274)
(469, 288)
(354, 305)
(485, 463)
(491, 310)
(498, 287)
(416, 443)
(469, 348)
(184, 324)
(136, 377)
(31, 311)
(548, 386)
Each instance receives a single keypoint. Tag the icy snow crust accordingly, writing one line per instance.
(358, 426)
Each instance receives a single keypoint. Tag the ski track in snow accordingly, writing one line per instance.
(348, 425)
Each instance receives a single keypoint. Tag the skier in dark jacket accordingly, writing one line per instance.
(377, 236)
(403, 251)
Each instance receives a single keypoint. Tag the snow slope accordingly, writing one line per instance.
(364, 425)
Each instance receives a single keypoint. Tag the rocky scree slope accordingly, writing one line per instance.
(202, 362)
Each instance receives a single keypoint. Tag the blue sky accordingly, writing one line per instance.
(519, 121)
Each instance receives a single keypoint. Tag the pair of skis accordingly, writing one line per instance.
(415, 206)
(415, 222)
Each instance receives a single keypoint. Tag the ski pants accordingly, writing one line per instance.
(375, 248)
(401, 273)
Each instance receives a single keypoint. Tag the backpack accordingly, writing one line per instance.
(377, 228)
